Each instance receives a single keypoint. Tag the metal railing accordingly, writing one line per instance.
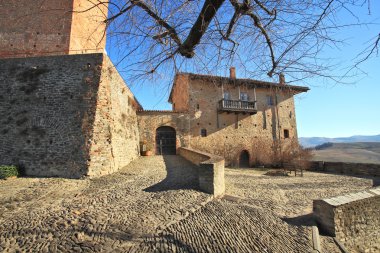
(239, 105)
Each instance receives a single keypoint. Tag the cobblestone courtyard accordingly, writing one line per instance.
(152, 205)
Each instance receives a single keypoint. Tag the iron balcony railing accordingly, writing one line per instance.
(237, 106)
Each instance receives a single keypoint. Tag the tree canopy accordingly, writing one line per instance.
(266, 36)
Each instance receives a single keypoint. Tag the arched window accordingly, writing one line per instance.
(203, 132)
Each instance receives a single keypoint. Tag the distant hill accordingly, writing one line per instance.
(359, 152)
(314, 141)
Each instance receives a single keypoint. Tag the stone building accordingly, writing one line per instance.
(65, 110)
(242, 120)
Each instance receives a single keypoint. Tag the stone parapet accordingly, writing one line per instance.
(354, 219)
(210, 172)
(361, 169)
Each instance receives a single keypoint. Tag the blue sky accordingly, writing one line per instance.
(328, 109)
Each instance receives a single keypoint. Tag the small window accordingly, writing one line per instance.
(197, 106)
(264, 120)
(244, 96)
(290, 114)
(227, 95)
(286, 133)
(203, 132)
(270, 100)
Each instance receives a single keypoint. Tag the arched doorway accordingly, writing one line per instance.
(165, 141)
(244, 159)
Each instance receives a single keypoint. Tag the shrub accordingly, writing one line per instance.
(8, 171)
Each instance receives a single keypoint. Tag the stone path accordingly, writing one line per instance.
(152, 206)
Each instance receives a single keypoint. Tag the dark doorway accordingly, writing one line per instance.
(165, 141)
(244, 159)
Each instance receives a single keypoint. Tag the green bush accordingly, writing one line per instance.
(8, 171)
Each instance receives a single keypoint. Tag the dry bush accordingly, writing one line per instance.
(295, 157)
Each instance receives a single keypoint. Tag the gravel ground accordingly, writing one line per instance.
(152, 205)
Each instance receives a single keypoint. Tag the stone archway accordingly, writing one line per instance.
(166, 141)
(244, 159)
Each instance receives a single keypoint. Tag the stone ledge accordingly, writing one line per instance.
(210, 172)
(351, 197)
(354, 219)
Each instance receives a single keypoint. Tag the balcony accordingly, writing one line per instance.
(237, 106)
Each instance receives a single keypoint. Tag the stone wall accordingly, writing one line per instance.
(210, 172)
(149, 121)
(62, 116)
(115, 133)
(360, 169)
(353, 218)
(40, 27)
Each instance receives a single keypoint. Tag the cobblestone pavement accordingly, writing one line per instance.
(224, 226)
(289, 196)
(110, 213)
(151, 206)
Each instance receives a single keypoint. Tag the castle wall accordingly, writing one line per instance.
(66, 116)
(87, 28)
(229, 134)
(115, 134)
(39, 27)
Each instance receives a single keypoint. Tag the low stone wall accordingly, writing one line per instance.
(211, 170)
(362, 169)
(354, 219)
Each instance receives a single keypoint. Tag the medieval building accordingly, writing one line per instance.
(65, 110)
(239, 119)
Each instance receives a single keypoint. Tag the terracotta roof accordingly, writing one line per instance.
(240, 82)
(159, 111)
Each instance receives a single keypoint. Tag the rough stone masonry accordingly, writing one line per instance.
(66, 116)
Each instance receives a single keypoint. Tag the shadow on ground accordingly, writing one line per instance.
(181, 174)
(302, 220)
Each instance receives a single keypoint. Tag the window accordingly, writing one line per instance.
(197, 106)
(244, 96)
(226, 95)
(264, 120)
(286, 133)
(290, 114)
(203, 132)
(270, 100)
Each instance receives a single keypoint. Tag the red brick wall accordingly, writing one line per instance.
(180, 96)
(40, 27)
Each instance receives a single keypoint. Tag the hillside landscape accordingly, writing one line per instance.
(309, 142)
(357, 152)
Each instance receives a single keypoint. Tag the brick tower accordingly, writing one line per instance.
(53, 27)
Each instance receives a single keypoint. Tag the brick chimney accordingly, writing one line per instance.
(232, 73)
(281, 79)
